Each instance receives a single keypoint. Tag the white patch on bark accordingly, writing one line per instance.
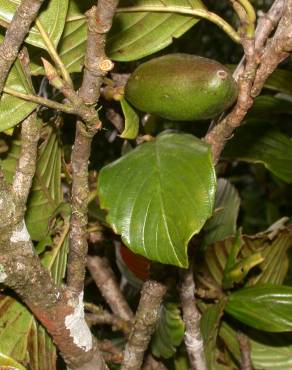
(77, 326)
(21, 235)
(3, 275)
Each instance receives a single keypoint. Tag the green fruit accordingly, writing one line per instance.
(181, 87)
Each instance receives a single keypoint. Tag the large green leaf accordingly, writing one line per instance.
(159, 195)
(265, 307)
(14, 110)
(262, 144)
(136, 35)
(269, 351)
(280, 80)
(267, 107)
(169, 332)
(223, 222)
(52, 17)
(45, 194)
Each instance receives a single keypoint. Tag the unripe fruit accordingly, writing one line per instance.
(181, 87)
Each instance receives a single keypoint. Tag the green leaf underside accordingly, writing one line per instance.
(14, 110)
(159, 195)
(131, 121)
(223, 222)
(265, 307)
(52, 17)
(169, 333)
(265, 145)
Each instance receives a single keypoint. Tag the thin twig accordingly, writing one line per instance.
(96, 67)
(24, 16)
(66, 108)
(245, 352)
(146, 318)
(191, 316)
(105, 280)
(201, 13)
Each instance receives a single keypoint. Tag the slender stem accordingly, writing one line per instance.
(53, 52)
(201, 13)
(97, 64)
(251, 16)
(191, 315)
(41, 101)
(106, 281)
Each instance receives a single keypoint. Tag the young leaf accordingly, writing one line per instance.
(265, 307)
(159, 195)
(272, 246)
(131, 121)
(52, 17)
(136, 35)
(262, 144)
(14, 110)
(223, 222)
(169, 333)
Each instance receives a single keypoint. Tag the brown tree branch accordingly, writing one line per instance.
(222, 132)
(96, 66)
(60, 313)
(251, 80)
(191, 316)
(106, 282)
(245, 359)
(146, 318)
(278, 49)
(25, 14)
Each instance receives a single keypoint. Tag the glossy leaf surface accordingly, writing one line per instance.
(265, 307)
(136, 35)
(52, 16)
(14, 110)
(159, 195)
(263, 144)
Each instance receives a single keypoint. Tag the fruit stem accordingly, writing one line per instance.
(201, 13)
(247, 15)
